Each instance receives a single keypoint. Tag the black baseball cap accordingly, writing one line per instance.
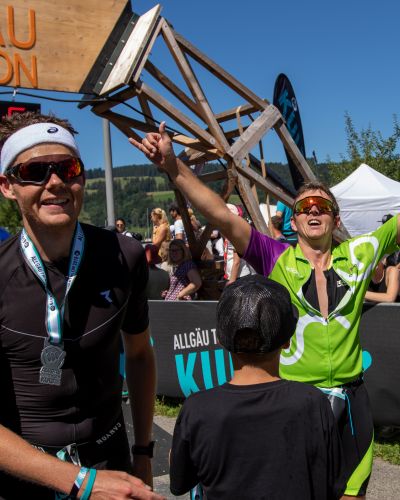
(255, 315)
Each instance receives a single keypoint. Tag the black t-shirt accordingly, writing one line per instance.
(272, 441)
(107, 296)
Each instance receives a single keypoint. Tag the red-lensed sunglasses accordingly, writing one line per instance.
(38, 170)
(305, 205)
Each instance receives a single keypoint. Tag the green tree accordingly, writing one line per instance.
(10, 218)
(370, 147)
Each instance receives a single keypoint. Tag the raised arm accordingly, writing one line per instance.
(392, 287)
(158, 148)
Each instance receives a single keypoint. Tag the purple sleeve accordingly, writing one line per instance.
(263, 252)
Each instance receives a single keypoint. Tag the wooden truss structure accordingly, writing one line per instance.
(204, 138)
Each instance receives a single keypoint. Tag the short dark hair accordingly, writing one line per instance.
(317, 186)
(174, 208)
(276, 221)
(121, 219)
(11, 124)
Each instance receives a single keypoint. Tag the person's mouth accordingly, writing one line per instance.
(55, 202)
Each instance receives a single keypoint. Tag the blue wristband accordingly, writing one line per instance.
(78, 482)
(88, 490)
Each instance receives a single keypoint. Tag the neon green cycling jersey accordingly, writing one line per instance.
(324, 352)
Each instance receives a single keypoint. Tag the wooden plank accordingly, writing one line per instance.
(57, 42)
(133, 51)
(159, 101)
(294, 152)
(252, 205)
(245, 109)
(220, 73)
(138, 70)
(114, 100)
(213, 176)
(174, 89)
(193, 157)
(187, 224)
(144, 104)
(253, 134)
(194, 86)
(266, 184)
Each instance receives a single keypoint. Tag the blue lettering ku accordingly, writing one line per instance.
(186, 376)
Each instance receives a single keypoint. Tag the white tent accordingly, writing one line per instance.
(364, 197)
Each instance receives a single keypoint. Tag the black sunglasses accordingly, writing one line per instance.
(38, 170)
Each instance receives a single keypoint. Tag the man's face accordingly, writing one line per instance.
(120, 226)
(316, 224)
(56, 203)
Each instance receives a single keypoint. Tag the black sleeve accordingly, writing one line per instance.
(137, 311)
(182, 472)
(335, 456)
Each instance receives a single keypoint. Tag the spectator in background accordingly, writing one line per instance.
(161, 230)
(158, 278)
(217, 243)
(120, 226)
(179, 230)
(234, 267)
(184, 278)
(3, 234)
(164, 254)
(385, 282)
(275, 227)
(286, 213)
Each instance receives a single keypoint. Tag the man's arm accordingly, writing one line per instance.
(20, 459)
(158, 149)
(235, 268)
(141, 380)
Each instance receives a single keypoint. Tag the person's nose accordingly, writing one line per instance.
(54, 180)
(314, 210)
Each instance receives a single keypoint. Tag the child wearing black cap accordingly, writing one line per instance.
(258, 436)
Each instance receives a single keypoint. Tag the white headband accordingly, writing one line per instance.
(32, 135)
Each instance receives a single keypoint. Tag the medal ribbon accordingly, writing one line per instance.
(54, 316)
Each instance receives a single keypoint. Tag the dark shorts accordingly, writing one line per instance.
(357, 432)
(109, 451)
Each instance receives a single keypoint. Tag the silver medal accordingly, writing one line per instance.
(52, 358)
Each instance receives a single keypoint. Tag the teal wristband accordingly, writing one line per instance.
(88, 490)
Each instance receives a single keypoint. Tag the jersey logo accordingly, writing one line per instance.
(291, 270)
(106, 295)
(339, 283)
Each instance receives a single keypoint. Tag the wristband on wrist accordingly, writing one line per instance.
(144, 450)
(78, 482)
(88, 490)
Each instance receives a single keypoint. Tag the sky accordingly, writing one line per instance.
(340, 57)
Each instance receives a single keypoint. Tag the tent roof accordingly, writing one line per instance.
(365, 183)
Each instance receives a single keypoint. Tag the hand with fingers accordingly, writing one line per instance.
(157, 147)
(114, 485)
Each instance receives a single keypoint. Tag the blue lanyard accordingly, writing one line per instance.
(54, 315)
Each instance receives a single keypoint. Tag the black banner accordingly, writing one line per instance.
(189, 358)
(286, 102)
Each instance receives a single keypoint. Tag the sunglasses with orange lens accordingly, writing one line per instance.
(305, 205)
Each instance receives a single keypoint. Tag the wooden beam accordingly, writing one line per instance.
(160, 102)
(213, 176)
(294, 152)
(114, 100)
(220, 73)
(174, 89)
(251, 204)
(194, 86)
(254, 133)
(266, 184)
(144, 104)
(230, 114)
